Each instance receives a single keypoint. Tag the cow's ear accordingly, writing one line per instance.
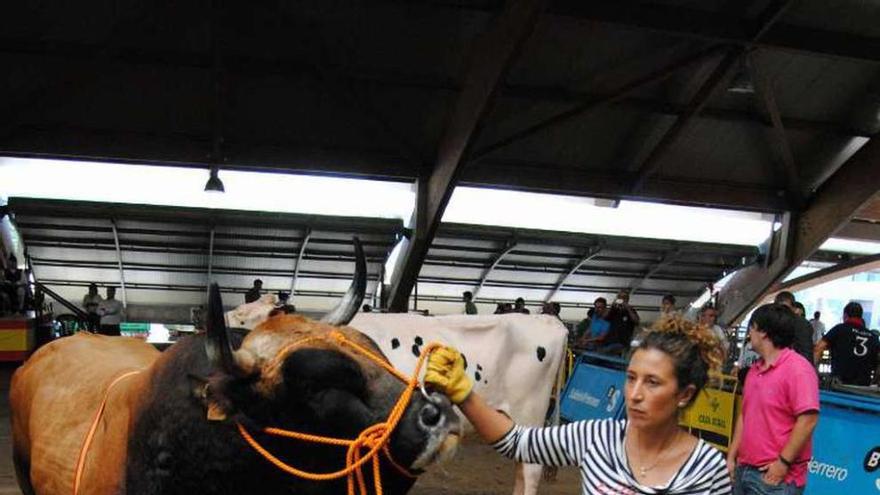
(201, 391)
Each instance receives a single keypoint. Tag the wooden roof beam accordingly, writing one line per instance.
(491, 59)
(719, 76)
(718, 28)
(832, 207)
(786, 166)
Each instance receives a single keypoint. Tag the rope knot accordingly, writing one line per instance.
(373, 437)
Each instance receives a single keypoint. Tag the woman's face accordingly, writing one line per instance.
(652, 393)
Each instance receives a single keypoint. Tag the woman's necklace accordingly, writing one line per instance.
(643, 470)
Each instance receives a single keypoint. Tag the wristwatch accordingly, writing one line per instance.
(785, 461)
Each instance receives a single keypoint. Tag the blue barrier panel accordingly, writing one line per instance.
(593, 391)
(846, 446)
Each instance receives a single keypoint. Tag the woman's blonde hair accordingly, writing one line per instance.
(694, 349)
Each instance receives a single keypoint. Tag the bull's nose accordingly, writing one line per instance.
(430, 416)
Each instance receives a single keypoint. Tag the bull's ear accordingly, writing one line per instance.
(217, 342)
(201, 391)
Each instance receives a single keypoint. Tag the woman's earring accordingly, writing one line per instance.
(682, 404)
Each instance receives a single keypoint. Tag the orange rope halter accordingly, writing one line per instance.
(373, 438)
(81, 460)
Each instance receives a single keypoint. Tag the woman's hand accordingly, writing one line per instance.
(446, 374)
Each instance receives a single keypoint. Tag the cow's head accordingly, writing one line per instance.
(275, 379)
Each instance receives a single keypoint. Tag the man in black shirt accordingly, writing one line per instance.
(853, 348)
(623, 319)
(803, 331)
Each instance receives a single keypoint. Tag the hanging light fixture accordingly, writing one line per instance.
(214, 183)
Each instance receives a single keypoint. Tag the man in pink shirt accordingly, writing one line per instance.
(772, 442)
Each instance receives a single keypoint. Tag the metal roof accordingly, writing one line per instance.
(365, 90)
(753, 104)
(166, 253)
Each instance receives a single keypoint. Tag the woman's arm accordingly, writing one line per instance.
(490, 424)
(553, 446)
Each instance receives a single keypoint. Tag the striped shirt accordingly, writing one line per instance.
(596, 447)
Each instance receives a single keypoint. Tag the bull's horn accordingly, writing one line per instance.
(217, 342)
(351, 301)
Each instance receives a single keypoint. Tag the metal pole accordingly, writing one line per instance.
(210, 259)
(509, 246)
(302, 250)
(119, 261)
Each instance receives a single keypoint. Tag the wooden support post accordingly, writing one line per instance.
(492, 57)
(829, 210)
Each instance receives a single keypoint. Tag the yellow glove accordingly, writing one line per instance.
(446, 374)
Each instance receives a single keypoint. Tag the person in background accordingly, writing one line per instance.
(469, 307)
(366, 308)
(799, 309)
(90, 303)
(11, 281)
(110, 311)
(503, 308)
(623, 319)
(803, 332)
(708, 317)
(551, 309)
(818, 328)
(284, 303)
(772, 440)
(853, 348)
(646, 453)
(592, 332)
(667, 306)
(519, 306)
(255, 292)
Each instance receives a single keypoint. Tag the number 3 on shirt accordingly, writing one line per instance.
(860, 348)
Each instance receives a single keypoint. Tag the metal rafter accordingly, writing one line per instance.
(264, 67)
(835, 203)
(60, 88)
(572, 180)
(219, 80)
(840, 270)
(665, 261)
(492, 56)
(508, 248)
(597, 102)
(345, 92)
(119, 263)
(719, 76)
(299, 258)
(210, 260)
(786, 165)
(591, 253)
(719, 28)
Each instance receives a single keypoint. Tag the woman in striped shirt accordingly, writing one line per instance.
(646, 454)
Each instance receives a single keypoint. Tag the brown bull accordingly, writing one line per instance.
(172, 427)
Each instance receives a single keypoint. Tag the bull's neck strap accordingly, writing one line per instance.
(373, 439)
(83, 451)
